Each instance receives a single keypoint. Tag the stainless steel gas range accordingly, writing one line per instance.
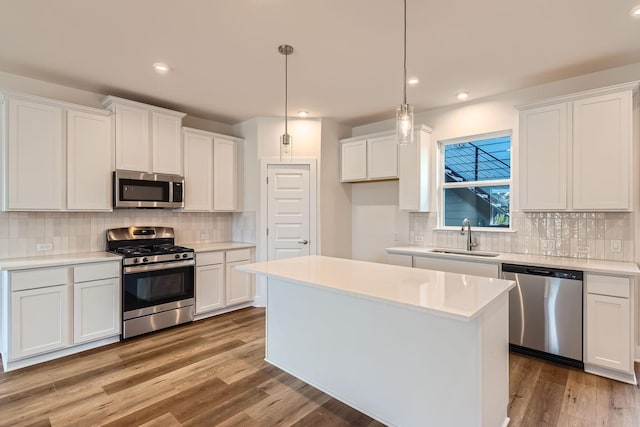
(157, 278)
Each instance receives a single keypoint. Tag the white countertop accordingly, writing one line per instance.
(589, 265)
(9, 264)
(218, 246)
(446, 294)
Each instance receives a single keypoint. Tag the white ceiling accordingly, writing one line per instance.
(347, 63)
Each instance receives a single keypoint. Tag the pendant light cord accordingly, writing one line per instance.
(405, 52)
(286, 94)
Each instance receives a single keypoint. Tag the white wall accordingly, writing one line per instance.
(335, 197)
(471, 118)
(376, 221)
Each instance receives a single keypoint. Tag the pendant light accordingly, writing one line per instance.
(286, 149)
(404, 113)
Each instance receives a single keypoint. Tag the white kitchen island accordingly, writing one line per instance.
(408, 347)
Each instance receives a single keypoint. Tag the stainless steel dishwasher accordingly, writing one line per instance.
(545, 312)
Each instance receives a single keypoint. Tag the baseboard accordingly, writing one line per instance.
(202, 316)
(34, 360)
(613, 374)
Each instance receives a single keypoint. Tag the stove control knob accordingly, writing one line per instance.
(177, 256)
(145, 259)
(185, 255)
(136, 260)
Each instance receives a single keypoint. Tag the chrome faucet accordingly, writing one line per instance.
(470, 242)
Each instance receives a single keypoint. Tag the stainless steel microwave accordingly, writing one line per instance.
(147, 190)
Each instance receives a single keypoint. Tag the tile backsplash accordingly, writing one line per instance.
(600, 235)
(71, 232)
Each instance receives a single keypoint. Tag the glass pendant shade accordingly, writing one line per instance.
(285, 147)
(404, 124)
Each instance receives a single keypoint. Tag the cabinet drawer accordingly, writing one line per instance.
(39, 278)
(608, 285)
(239, 255)
(208, 258)
(97, 271)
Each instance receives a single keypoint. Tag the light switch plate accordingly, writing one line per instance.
(616, 246)
(44, 247)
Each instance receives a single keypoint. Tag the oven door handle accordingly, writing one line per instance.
(158, 266)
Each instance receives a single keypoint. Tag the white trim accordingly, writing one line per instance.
(463, 184)
(262, 220)
(632, 86)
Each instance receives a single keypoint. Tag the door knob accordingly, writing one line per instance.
(304, 242)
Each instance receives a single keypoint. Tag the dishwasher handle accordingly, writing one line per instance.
(539, 272)
(542, 271)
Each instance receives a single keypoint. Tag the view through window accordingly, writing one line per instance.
(477, 180)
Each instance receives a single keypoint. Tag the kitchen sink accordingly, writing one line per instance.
(463, 252)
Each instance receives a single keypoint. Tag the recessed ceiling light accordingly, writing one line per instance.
(462, 96)
(303, 113)
(161, 67)
(635, 12)
(413, 81)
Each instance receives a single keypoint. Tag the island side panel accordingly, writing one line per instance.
(494, 325)
(399, 365)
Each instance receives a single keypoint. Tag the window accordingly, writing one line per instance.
(476, 180)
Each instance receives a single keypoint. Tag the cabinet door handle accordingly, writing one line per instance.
(304, 242)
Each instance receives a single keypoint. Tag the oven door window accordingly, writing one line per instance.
(149, 288)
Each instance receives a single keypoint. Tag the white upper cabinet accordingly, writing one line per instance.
(33, 154)
(198, 170)
(225, 174)
(133, 146)
(211, 171)
(414, 161)
(576, 151)
(90, 151)
(544, 140)
(382, 157)
(354, 160)
(167, 150)
(57, 156)
(370, 157)
(147, 138)
(602, 155)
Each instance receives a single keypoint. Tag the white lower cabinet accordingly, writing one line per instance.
(219, 286)
(96, 310)
(39, 321)
(608, 329)
(239, 284)
(52, 312)
(209, 288)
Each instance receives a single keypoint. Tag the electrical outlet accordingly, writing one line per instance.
(582, 249)
(44, 247)
(616, 246)
(548, 245)
(204, 236)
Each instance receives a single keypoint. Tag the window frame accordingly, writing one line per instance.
(442, 186)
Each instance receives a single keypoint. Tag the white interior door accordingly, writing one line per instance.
(288, 211)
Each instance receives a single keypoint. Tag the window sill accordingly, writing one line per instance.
(478, 229)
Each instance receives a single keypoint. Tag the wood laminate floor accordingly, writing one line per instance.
(212, 372)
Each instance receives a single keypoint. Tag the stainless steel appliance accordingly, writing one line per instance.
(545, 312)
(157, 278)
(147, 190)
